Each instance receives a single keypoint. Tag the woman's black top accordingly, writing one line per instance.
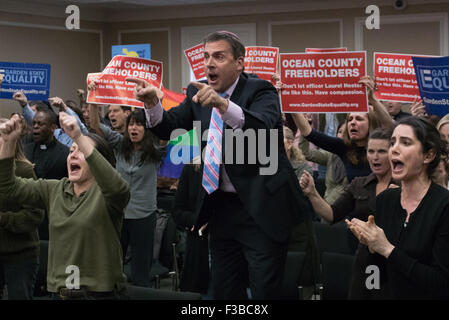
(418, 267)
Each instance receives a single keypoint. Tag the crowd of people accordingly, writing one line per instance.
(89, 185)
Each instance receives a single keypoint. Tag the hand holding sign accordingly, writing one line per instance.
(21, 98)
(1, 79)
(369, 83)
(145, 92)
(92, 85)
(208, 96)
(418, 109)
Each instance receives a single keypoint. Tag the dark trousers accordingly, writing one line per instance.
(20, 277)
(86, 295)
(139, 235)
(242, 254)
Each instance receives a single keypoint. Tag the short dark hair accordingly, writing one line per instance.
(39, 104)
(48, 112)
(238, 49)
(381, 134)
(126, 108)
(429, 137)
(103, 147)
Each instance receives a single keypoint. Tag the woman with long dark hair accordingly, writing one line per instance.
(408, 243)
(138, 160)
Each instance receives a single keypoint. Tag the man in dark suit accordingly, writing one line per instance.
(251, 212)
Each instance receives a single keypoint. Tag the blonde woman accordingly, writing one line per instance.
(297, 159)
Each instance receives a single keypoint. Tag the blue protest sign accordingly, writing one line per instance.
(432, 75)
(32, 78)
(133, 50)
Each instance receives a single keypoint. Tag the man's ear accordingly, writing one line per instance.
(128, 112)
(240, 63)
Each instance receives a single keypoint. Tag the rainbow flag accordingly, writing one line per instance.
(171, 99)
(181, 150)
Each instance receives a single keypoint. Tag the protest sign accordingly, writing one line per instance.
(261, 61)
(395, 77)
(432, 75)
(318, 50)
(323, 82)
(195, 57)
(112, 88)
(32, 78)
(133, 50)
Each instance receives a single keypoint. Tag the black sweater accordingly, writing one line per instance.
(337, 146)
(19, 239)
(418, 267)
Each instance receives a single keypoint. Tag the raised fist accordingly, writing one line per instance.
(21, 98)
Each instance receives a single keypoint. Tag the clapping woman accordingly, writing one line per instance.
(406, 243)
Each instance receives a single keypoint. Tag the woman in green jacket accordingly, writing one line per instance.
(85, 214)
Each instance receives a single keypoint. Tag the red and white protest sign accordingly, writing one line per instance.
(323, 82)
(262, 61)
(195, 56)
(395, 77)
(112, 88)
(318, 50)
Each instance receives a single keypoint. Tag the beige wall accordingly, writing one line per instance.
(74, 54)
(71, 54)
(159, 52)
(294, 31)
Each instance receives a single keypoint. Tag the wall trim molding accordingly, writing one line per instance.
(167, 29)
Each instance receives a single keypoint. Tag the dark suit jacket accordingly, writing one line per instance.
(275, 202)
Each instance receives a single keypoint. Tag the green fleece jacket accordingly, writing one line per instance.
(19, 237)
(84, 231)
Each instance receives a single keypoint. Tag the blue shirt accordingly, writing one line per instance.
(59, 134)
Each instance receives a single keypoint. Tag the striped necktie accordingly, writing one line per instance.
(212, 158)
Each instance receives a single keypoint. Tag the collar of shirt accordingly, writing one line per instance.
(372, 178)
(68, 189)
(230, 90)
(45, 146)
